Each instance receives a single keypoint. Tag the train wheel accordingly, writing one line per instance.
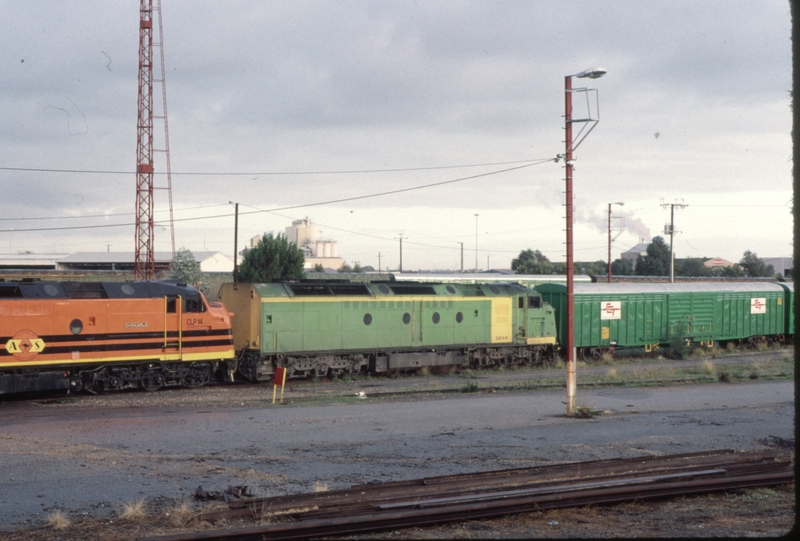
(528, 360)
(151, 382)
(320, 371)
(592, 355)
(197, 377)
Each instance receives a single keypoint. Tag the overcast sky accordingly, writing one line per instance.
(288, 107)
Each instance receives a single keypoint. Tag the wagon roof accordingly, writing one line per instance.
(690, 287)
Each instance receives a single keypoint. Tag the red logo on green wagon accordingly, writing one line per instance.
(25, 345)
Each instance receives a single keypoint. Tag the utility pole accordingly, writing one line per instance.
(401, 251)
(462, 257)
(609, 238)
(476, 243)
(235, 246)
(379, 262)
(669, 229)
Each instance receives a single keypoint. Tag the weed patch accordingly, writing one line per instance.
(58, 520)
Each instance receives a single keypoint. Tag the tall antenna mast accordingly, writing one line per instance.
(144, 264)
(165, 150)
(144, 258)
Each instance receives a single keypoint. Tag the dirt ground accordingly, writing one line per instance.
(762, 512)
(759, 512)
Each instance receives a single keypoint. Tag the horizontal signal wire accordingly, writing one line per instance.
(203, 173)
(104, 215)
(319, 203)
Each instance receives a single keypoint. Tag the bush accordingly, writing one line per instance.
(679, 344)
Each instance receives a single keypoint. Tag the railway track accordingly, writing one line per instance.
(419, 502)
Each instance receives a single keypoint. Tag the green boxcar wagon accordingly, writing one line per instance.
(609, 316)
(316, 328)
(789, 302)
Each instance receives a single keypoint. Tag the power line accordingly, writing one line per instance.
(103, 215)
(319, 203)
(273, 173)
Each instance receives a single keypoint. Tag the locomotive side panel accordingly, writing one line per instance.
(472, 325)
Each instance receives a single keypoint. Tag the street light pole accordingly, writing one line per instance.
(235, 246)
(609, 239)
(570, 304)
(401, 252)
(476, 243)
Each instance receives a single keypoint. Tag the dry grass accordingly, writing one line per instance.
(708, 367)
(319, 486)
(181, 515)
(133, 511)
(752, 512)
(58, 520)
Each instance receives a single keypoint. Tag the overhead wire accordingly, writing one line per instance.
(290, 207)
(270, 173)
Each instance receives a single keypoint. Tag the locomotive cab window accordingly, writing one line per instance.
(195, 305)
(172, 305)
(534, 302)
(520, 302)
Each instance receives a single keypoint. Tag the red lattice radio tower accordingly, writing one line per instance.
(144, 258)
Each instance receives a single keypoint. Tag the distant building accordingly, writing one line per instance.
(317, 251)
(106, 261)
(717, 263)
(633, 254)
(124, 261)
(30, 261)
(781, 265)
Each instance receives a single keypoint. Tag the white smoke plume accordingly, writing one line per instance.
(586, 214)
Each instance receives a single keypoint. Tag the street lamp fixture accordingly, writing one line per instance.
(609, 238)
(592, 73)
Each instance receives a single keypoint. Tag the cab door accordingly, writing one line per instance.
(536, 315)
(173, 328)
(521, 320)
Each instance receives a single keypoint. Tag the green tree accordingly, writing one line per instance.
(692, 266)
(754, 267)
(319, 268)
(186, 269)
(622, 267)
(531, 262)
(595, 268)
(656, 262)
(345, 268)
(734, 271)
(273, 258)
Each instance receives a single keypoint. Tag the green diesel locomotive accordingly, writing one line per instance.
(318, 328)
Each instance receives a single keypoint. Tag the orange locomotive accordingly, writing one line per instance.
(101, 336)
